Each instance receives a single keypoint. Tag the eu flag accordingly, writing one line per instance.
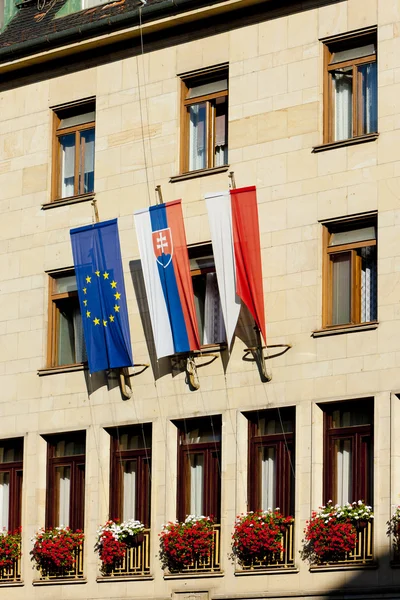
(101, 292)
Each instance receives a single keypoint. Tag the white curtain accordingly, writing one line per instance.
(4, 499)
(344, 474)
(64, 493)
(68, 165)
(196, 484)
(343, 106)
(268, 479)
(129, 508)
(214, 329)
(79, 341)
(197, 137)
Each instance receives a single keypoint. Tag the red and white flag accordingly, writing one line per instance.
(235, 236)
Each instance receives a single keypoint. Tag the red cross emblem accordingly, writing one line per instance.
(162, 244)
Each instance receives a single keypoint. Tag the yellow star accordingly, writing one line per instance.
(105, 323)
(97, 273)
(116, 308)
(96, 321)
(112, 318)
(88, 313)
(85, 302)
(117, 296)
(88, 279)
(113, 284)
(84, 290)
(105, 275)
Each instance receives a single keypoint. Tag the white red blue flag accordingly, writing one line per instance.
(235, 235)
(166, 272)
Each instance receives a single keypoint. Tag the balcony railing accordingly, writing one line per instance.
(11, 574)
(211, 564)
(279, 560)
(136, 562)
(61, 573)
(363, 553)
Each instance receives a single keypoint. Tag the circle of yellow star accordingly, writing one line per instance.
(113, 284)
(84, 290)
(88, 279)
(96, 321)
(112, 318)
(116, 308)
(105, 275)
(117, 296)
(97, 273)
(104, 323)
(85, 302)
(88, 313)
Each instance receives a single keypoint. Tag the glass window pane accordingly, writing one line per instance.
(86, 167)
(352, 53)
(351, 417)
(271, 425)
(66, 283)
(211, 87)
(368, 98)
(343, 471)
(71, 343)
(136, 439)
(77, 119)
(361, 234)
(368, 284)
(11, 451)
(341, 288)
(68, 447)
(343, 103)
(129, 478)
(196, 463)
(62, 496)
(4, 500)
(208, 309)
(201, 433)
(268, 478)
(221, 132)
(197, 136)
(67, 155)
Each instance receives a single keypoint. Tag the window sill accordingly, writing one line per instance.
(39, 582)
(345, 329)
(199, 173)
(342, 567)
(70, 200)
(63, 369)
(267, 571)
(4, 584)
(199, 575)
(361, 139)
(123, 578)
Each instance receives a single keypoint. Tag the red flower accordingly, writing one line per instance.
(10, 548)
(55, 550)
(183, 544)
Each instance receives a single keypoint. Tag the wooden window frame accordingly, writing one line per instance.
(285, 492)
(77, 489)
(58, 115)
(15, 470)
(187, 82)
(327, 266)
(212, 477)
(54, 316)
(143, 482)
(330, 47)
(362, 481)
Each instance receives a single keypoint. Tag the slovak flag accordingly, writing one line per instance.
(235, 236)
(166, 272)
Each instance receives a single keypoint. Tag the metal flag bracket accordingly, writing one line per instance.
(187, 362)
(257, 353)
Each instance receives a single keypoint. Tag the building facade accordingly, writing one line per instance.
(101, 103)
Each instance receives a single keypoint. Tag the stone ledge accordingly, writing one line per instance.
(38, 582)
(194, 575)
(346, 329)
(282, 571)
(66, 369)
(122, 578)
(70, 200)
(360, 139)
(199, 173)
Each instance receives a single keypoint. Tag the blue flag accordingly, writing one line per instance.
(102, 298)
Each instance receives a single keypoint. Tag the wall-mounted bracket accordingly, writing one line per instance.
(231, 176)
(159, 194)
(257, 353)
(187, 363)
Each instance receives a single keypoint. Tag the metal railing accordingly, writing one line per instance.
(11, 574)
(136, 562)
(76, 572)
(363, 553)
(212, 562)
(277, 560)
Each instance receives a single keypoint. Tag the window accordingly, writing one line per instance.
(350, 88)
(66, 345)
(66, 480)
(350, 273)
(131, 473)
(206, 295)
(199, 467)
(349, 451)
(11, 452)
(74, 151)
(205, 120)
(271, 460)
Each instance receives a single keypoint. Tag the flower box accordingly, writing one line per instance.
(58, 553)
(114, 540)
(10, 555)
